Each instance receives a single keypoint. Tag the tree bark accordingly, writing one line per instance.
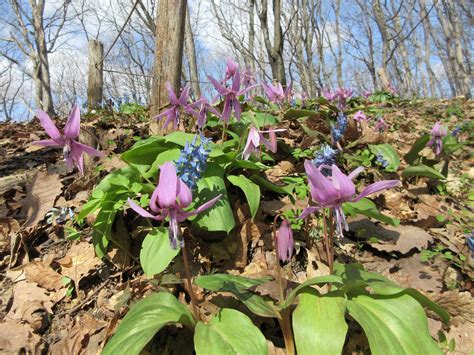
(170, 28)
(95, 83)
(339, 45)
(191, 56)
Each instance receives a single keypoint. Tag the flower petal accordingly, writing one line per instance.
(376, 187)
(307, 211)
(172, 96)
(168, 186)
(48, 143)
(142, 212)
(236, 81)
(73, 124)
(185, 196)
(323, 188)
(183, 98)
(285, 241)
(221, 89)
(342, 183)
(203, 207)
(48, 124)
(87, 149)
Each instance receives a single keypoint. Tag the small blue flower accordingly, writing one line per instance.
(338, 129)
(325, 156)
(192, 162)
(381, 160)
(470, 242)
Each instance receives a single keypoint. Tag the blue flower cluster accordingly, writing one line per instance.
(470, 243)
(193, 161)
(325, 156)
(381, 160)
(338, 129)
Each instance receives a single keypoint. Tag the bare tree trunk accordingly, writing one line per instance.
(275, 51)
(170, 28)
(191, 55)
(339, 46)
(381, 24)
(95, 83)
(427, 45)
(250, 61)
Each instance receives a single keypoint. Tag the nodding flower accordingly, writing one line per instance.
(276, 94)
(73, 150)
(256, 137)
(169, 200)
(436, 142)
(284, 241)
(332, 192)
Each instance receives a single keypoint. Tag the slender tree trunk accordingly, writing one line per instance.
(380, 21)
(250, 61)
(95, 82)
(191, 55)
(340, 82)
(427, 49)
(170, 28)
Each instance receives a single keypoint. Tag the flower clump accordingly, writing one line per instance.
(324, 158)
(192, 162)
(338, 129)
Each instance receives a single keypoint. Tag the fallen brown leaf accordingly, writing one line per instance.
(16, 338)
(42, 193)
(43, 275)
(79, 261)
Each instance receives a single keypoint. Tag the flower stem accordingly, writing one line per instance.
(285, 321)
(326, 240)
(189, 284)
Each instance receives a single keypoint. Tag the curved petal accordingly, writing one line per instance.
(342, 183)
(323, 187)
(77, 157)
(185, 196)
(201, 208)
(183, 98)
(48, 143)
(307, 211)
(73, 124)
(356, 172)
(236, 81)
(221, 89)
(48, 124)
(246, 90)
(142, 212)
(237, 108)
(172, 96)
(168, 186)
(88, 150)
(272, 143)
(376, 187)
(227, 110)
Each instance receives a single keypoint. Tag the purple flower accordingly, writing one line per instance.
(343, 94)
(255, 138)
(231, 101)
(276, 94)
(204, 108)
(437, 133)
(169, 199)
(247, 78)
(285, 242)
(329, 95)
(177, 106)
(366, 94)
(380, 125)
(360, 116)
(230, 69)
(332, 192)
(72, 149)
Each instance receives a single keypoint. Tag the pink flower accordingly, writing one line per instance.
(366, 94)
(72, 149)
(169, 199)
(332, 191)
(437, 133)
(177, 106)
(255, 138)
(285, 242)
(329, 95)
(276, 94)
(231, 100)
(360, 116)
(230, 69)
(380, 126)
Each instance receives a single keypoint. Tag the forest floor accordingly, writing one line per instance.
(56, 296)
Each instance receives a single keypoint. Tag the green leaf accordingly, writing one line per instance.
(144, 320)
(319, 324)
(305, 285)
(88, 208)
(388, 153)
(220, 216)
(292, 114)
(422, 170)
(261, 119)
(368, 208)
(287, 189)
(229, 332)
(180, 138)
(383, 288)
(416, 148)
(144, 152)
(156, 253)
(168, 155)
(393, 325)
(238, 286)
(250, 189)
